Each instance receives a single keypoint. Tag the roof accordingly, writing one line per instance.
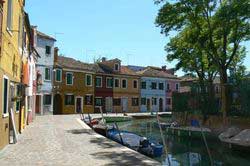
(152, 72)
(136, 68)
(43, 35)
(127, 70)
(67, 62)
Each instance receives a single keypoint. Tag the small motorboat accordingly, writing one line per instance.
(136, 142)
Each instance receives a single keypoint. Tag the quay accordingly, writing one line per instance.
(64, 140)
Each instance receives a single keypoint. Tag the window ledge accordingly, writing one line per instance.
(5, 115)
(9, 31)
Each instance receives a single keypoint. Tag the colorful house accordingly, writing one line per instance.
(73, 86)
(44, 44)
(11, 60)
(103, 90)
(125, 83)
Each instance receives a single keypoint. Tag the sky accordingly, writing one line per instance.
(89, 29)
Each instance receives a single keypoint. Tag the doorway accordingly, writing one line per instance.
(148, 105)
(108, 104)
(160, 105)
(124, 104)
(57, 106)
(78, 105)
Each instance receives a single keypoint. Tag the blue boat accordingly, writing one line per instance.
(136, 142)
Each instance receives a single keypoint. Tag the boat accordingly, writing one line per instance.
(143, 116)
(136, 142)
(162, 124)
(241, 141)
(188, 131)
(111, 119)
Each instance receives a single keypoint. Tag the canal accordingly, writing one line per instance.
(185, 150)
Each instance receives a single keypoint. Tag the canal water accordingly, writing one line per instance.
(187, 151)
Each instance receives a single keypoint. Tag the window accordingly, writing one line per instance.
(177, 87)
(47, 50)
(154, 101)
(168, 86)
(98, 81)
(135, 101)
(143, 85)
(47, 100)
(117, 82)
(88, 99)
(98, 101)
(168, 101)
(124, 83)
(69, 100)
(143, 101)
(5, 95)
(135, 84)
(88, 79)
(69, 78)
(47, 74)
(58, 75)
(117, 67)
(161, 86)
(18, 94)
(109, 82)
(10, 15)
(117, 102)
(153, 85)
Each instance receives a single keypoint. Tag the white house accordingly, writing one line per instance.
(45, 47)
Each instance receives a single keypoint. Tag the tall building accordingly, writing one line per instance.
(44, 44)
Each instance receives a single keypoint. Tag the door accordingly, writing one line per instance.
(38, 104)
(78, 105)
(124, 104)
(57, 105)
(160, 105)
(108, 104)
(148, 105)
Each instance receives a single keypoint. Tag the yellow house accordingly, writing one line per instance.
(11, 57)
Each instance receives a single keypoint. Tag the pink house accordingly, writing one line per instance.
(173, 85)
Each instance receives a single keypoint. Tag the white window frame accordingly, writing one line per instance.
(126, 83)
(101, 81)
(9, 29)
(7, 105)
(72, 78)
(115, 66)
(60, 75)
(91, 77)
(107, 82)
(119, 85)
(45, 74)
(136, 83)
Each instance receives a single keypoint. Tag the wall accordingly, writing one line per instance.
(169, 93)
(10, 64)
(77, 89)
(103, 91)
(128, 92)
(149, 93)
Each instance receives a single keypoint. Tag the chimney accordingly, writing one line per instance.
(164, 68)
(104, 59)
(34, 36)
(56, 49)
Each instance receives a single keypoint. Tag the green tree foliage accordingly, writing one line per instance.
(215, 30)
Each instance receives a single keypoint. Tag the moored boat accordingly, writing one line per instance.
(136, 142)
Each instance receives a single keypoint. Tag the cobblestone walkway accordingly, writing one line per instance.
(63, 141)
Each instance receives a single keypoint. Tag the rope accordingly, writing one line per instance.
(208, 151)
(162, 137)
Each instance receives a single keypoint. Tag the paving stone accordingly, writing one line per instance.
(63, 141)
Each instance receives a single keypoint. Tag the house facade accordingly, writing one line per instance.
(12, 57)
(73, 87)
(125, 84)
(44, 44)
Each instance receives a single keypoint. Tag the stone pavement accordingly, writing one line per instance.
(64, 141)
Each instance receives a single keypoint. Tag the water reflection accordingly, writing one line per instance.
(187, 151)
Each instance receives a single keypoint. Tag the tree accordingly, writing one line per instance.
(222, 26)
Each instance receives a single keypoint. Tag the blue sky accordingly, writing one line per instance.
(88, 29)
